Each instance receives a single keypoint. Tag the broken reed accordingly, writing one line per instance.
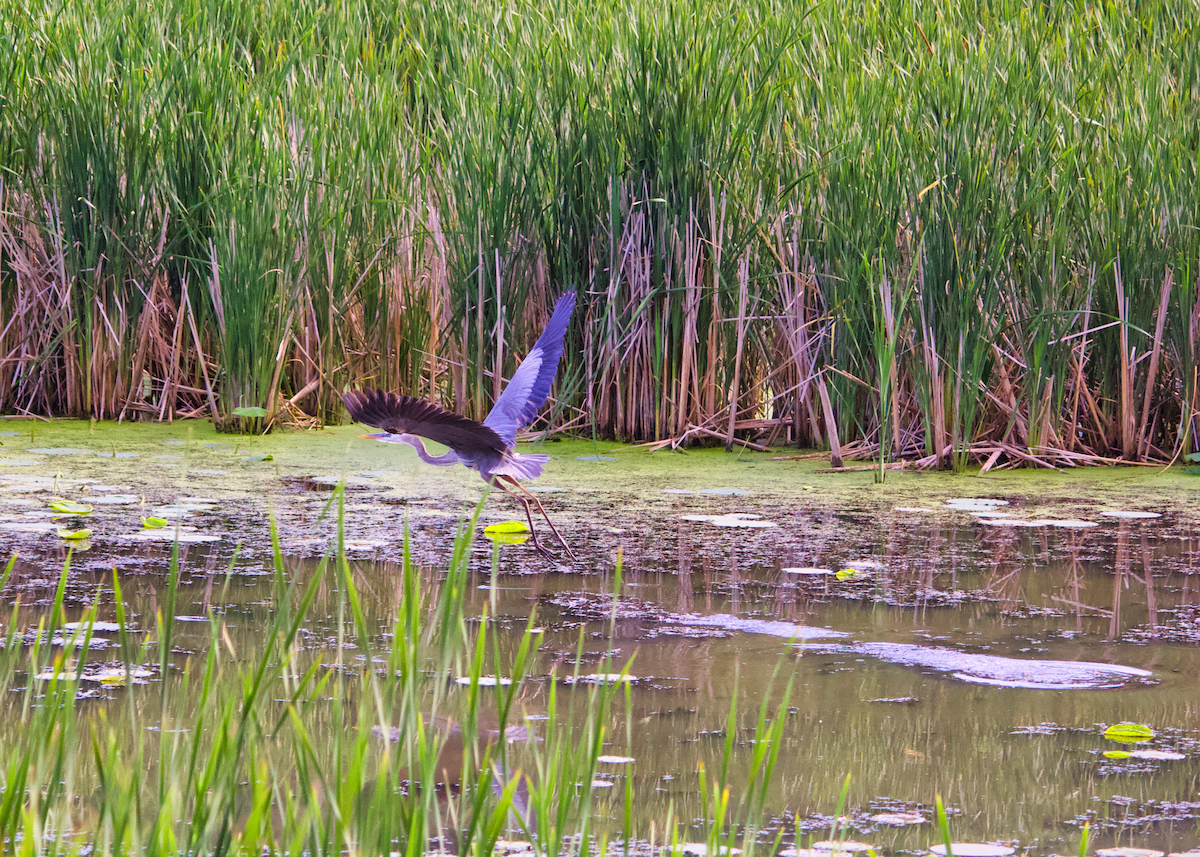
(206, 206)
(282, 749)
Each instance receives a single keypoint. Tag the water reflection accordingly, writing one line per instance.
(1017, 763)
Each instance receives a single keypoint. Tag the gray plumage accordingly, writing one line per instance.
(486, 447)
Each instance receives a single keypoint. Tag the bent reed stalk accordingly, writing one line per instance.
(214, 205)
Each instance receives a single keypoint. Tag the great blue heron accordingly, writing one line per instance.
(487, 446)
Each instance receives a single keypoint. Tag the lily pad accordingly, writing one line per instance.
(914, 510)
(1129, 733)
(1068, 524)
(67, 507)
(701, 849)
(615, 760)
(677, 491)
(118, 454)
(1157, 755)
(734, 519)
(973, 849)
(60, 450)
(899, 819)
(842, 845)
(153, 523)
(250, 411)
(484, 681)
(725, 492)
(47, 527)
(74, 535)
(506, 527)
(597, 678)
(1128, 852)
(207, 472)
(1130, 514)
(116, 500)
(262, 456)
(97, 627)
(809, 572)
(19, 462)
(185, 536)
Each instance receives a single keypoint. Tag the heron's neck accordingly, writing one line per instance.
(418, 444)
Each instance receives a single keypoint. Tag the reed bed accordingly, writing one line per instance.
(946, 233)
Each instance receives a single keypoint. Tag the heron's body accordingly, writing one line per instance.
(487, 447)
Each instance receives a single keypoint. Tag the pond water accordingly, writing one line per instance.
(967, 650)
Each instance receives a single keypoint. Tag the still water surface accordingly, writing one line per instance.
(880, 691)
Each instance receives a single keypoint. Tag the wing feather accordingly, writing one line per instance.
(529, 386)
(399, 414)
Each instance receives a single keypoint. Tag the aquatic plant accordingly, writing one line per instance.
(363, 745)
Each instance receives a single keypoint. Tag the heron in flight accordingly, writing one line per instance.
(487, 446)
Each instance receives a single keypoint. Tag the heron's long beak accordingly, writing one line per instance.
(374, 436)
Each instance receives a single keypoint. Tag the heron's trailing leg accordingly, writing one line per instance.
(538, 503)
(528, 515)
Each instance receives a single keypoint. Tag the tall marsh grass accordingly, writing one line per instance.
(212, 205)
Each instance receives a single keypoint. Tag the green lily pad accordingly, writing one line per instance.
(1118, 755)
(73, 535)
(153, 523)
(250, 412)
(1129, 733)
(506, 527)
(262, 456)
(69, 508)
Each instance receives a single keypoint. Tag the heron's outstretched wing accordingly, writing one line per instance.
(529, 387)
(400, 414)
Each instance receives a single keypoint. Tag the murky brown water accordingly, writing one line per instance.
(889, 700)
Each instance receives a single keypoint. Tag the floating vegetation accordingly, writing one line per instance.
(508, 532)
(1128, 852)
(808, 572)
(483, 681)
(972, 849)
(74, 535)
(60, 450)
(110, 675)
(118, 454)
(262, 456)
(680, 491)
(116, 500)
(915, 510)
(725, 492)
(18, 527)
(598, 678)
(1067, 524)
(207, 472)
(97, 627)
(899, 819)
(842, 846)
(733, 519)
(361, 545)
(1129, 733)
(67, 507)
(1146, 755)
(974, 504)
(615, 760)
(1007, 672)
(1131, 515)
(182, 534)
(154, 523)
